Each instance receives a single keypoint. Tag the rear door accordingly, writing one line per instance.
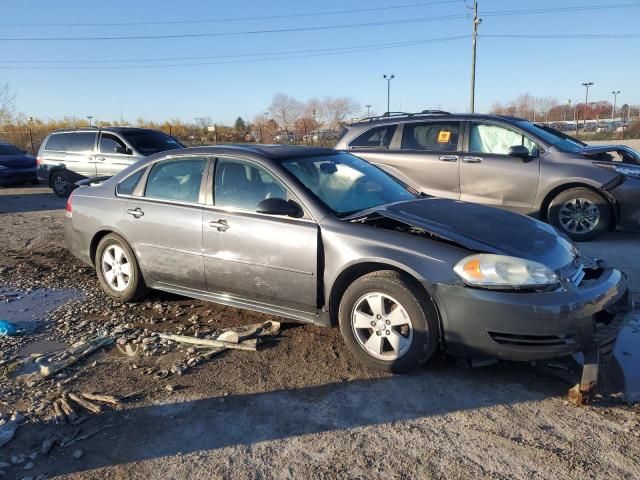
(264, 258)
(73, 150)
(426, 155)
(489, 175)
(165, 223)
(113, 154)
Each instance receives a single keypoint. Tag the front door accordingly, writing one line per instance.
(113, 155)
(165, 225)
(264, 258)
(489, 175)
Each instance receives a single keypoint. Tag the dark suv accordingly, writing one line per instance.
(506, 162)
(70, 155)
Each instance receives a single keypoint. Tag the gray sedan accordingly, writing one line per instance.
(322, 236)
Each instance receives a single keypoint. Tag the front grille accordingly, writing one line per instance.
(532, 340)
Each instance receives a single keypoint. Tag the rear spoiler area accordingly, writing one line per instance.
(92, 182)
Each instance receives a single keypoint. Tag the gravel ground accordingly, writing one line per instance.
(298, 408)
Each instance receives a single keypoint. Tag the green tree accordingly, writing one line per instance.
(239, 125)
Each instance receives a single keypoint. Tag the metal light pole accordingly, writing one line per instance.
(615, 97)
(313, 140)
(476, 22)
(368, 110)
(586, 103)
(89, 117)
(388, 78)
(568, 108)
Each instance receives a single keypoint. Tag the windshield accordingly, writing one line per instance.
(148, 142)
(347, 184)
(554, 137)
(7, 149)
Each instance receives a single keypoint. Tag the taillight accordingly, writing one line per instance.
(69, 208)
(38, 161)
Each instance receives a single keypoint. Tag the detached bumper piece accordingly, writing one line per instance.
(602, 351)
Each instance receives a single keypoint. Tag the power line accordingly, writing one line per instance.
(233, 19)
(561, 35)
(294, 54)
(326, 27)
(239, 55)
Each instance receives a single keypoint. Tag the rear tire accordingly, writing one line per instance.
(61, 183)
(579, 213)
(388, 322)
(117, 269)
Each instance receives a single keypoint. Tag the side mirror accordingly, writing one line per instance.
(279, 206)
(519, 151)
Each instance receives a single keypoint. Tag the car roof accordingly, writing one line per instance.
(107, 129)
(274, 152)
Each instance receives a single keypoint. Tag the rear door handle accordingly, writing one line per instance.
(449, 158)
(221, 225)
(135, 212)
(472, 159)
(100, 159)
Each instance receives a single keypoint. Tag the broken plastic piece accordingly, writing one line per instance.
(7, 329)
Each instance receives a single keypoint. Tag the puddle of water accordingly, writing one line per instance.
(27, 309)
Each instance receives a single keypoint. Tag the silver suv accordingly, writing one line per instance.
(68, 156)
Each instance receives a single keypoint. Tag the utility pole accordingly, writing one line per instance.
(586, 104)
(615, 97)
(476, 22)
(368, 110)
(89, 117)
(388, 78)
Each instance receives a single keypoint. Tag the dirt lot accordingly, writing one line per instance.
(298, 408)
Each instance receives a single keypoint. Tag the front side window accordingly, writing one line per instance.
(431, 136)
(111, 144)
(378, 137)
(495, 139)
(177, 180)
(347, 184)
(243, 186)
(148, 142)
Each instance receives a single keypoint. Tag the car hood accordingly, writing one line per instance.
(483, 229)
(595, 150)
(17, 161)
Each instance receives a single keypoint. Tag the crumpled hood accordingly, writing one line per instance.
(485, 229)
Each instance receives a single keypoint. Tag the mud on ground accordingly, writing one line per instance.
(298, 408)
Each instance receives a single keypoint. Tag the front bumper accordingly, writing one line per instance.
(534, 326)
(9, 176)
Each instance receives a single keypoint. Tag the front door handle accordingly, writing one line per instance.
(100, 159)
(221, 225)
(449, 158)
(472, 159)
(135, 212)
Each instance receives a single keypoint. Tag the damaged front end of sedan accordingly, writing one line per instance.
(577, 306)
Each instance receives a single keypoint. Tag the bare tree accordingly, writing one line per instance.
(285, 110)
(7, 103)
(339, 110)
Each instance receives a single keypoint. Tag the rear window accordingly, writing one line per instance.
(72, 142)
(8, 149)
(378, 137)
(128, 185)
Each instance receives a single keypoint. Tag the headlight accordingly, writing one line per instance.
(485, 270)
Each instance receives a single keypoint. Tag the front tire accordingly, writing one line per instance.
(388, 322)
(579, 213)
(61, 183)
(117, 269)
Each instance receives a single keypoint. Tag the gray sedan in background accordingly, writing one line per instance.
(506, 162)
(322, 236)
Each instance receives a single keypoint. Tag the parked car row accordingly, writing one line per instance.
(323, 236)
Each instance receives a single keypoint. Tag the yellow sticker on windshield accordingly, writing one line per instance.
(443, 137)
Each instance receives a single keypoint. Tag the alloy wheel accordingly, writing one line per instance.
(116, 268)
(60, 184)
(382, 326)
(579, 216)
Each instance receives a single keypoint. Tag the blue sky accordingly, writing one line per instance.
(428, 75)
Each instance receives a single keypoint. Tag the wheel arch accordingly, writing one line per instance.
(544, 206)
(357, 270)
